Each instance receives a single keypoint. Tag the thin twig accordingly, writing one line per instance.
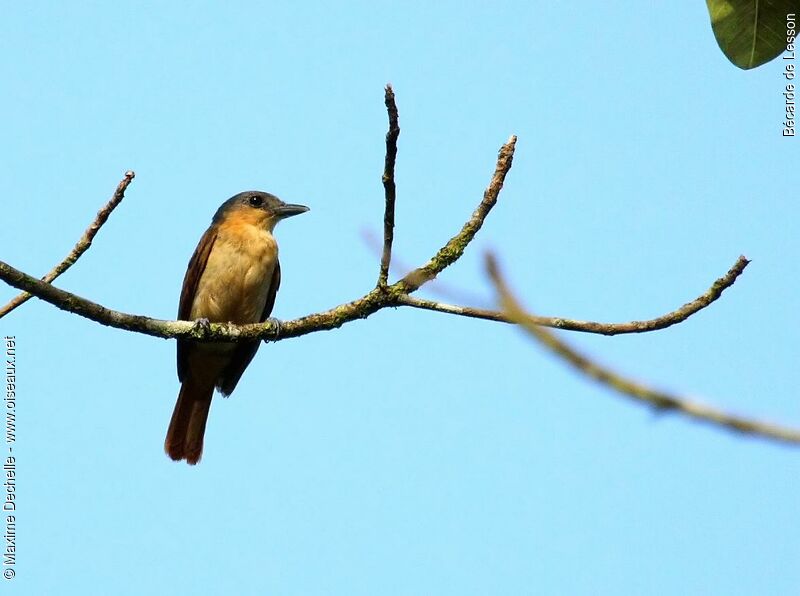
(660, 400)
(672, 318)
(81, 246)
(453, 309)
(389, 188)
(455, 247)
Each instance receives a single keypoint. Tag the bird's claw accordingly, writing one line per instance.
(277, 325)
(202, 327)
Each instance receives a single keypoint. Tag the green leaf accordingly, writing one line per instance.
(751, 32)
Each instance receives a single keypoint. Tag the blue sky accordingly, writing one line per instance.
(412, 453)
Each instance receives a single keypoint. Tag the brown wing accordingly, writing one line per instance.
(246, 350)
(197, 264)
(273, 291)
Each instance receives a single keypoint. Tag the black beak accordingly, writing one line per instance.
(288, 210)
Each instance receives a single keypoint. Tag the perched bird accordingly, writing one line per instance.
(233, 276)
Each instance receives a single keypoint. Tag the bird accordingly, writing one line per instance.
(232, 277)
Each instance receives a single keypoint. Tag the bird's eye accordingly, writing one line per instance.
(256, 201)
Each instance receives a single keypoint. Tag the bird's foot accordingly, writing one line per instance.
(277, 329)
(201, 328)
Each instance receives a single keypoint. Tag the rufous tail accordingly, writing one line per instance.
(188, 424)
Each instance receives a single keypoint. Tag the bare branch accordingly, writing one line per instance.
(455, 247)
(389, 188)
(660, 400)
(361, 308)
(672, 318)
(398, 294)
(82, 245)
(383, 296)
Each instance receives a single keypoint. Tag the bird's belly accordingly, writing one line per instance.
(237, 278)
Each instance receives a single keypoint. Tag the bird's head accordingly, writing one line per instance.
(257, 208)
